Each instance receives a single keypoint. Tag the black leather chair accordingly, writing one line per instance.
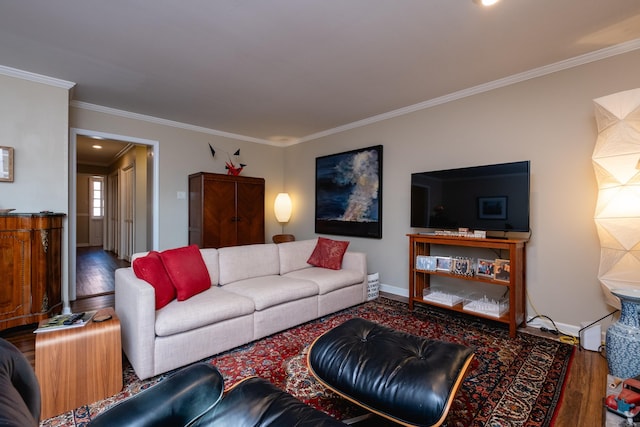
(19, 390)
(194, 396)
(256, 402)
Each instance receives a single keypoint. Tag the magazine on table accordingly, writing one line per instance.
(64, 321)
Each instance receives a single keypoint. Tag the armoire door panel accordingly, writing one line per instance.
(225, 210)
(250, 223)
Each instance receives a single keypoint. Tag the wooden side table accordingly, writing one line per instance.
(79, 366)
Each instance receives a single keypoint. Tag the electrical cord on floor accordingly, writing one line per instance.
(562, 337)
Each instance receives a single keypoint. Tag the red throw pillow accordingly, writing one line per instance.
(151, 269)
(328, 253)
(187, 271)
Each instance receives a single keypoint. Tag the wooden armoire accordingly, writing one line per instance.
(225, 210)
(30, 267)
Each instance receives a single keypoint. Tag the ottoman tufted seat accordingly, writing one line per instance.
(405, 378)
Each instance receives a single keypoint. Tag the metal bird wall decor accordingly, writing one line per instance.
(231, 167)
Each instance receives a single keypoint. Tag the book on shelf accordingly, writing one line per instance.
(64, 321)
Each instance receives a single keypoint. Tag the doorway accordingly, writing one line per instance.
(115, 228)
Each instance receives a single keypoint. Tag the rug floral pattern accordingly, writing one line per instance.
(512, 381)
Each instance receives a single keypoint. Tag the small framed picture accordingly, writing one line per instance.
(430, 263)
(6, 164)
(462, 266)
(485, 268)
(421, 262)
(425, 262)
(502, 270)
(492, 207)
(443, 263)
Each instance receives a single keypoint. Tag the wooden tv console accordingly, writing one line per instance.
(512, 250)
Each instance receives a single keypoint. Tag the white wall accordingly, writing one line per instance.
(548, 120)
(182, 152)
(34, 121)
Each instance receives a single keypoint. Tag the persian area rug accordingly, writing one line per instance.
(511, 382)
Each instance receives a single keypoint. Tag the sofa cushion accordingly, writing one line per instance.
(151, 269)
(294, 255)
(328, 253)
(211, 306)
(328, 280)
(268, 291)
(210, 258)
(244, 262)
(187, 271)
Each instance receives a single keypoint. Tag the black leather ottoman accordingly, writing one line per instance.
(405, 378)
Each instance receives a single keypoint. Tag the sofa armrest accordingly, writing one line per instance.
(357, 261)
(176, 401)
(136, 309)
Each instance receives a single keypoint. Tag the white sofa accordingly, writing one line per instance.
(256, 290)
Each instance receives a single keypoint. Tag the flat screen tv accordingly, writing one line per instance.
(491, 197)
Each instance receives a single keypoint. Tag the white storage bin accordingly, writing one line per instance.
(373, 286)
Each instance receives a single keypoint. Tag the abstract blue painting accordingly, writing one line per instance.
(349, 193)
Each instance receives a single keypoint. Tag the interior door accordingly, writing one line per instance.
(113, 215)
(128, 215)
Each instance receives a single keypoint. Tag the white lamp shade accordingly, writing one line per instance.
(282, 207)
(617, 215)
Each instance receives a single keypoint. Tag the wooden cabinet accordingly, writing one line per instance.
(79, 366)
(225, 210)
(512, 250)
(30, 267)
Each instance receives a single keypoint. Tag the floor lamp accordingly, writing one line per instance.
(616, 162)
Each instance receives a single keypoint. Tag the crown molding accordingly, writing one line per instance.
(486, 87)
(165, 122)
(37, 78)
(475, 90)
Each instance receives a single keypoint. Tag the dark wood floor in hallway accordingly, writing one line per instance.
(95, 271)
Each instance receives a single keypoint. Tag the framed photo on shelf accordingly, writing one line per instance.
(462, 266)
(425, 262)
(421, 262)
(502, 270)
(443, 263)
(431, 263)
(485, 268)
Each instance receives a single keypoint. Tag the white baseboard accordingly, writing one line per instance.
(565, 328)
(394, 290)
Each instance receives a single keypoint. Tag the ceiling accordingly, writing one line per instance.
(283, 71)
(88, 153)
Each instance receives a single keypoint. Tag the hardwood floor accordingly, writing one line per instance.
(94, 271)
(581, 404)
